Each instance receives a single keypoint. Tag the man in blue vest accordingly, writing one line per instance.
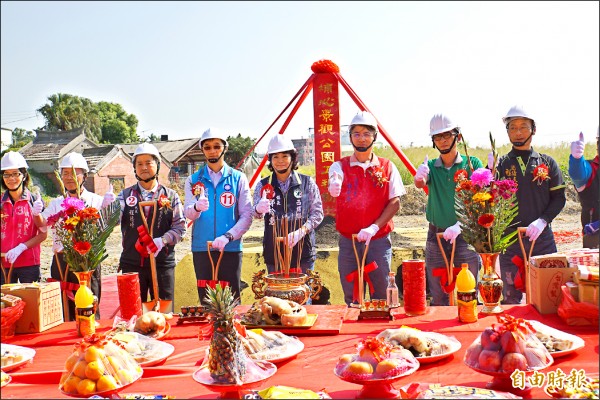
(217, 199)
(586, 179)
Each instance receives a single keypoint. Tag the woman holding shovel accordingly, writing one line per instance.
(217, 200)
(368, 190)
(23, 228)
(438, 176)
(149, 240)
(292, 208)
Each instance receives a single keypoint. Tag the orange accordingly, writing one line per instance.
(94, 370)
(86, 386)
(71, 361)
(106, 382)
(93, 353)
(79, 369)
(70, 385)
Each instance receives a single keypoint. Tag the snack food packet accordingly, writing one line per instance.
(506, 346)
(98, 365)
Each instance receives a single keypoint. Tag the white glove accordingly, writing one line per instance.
(366, 234)
(535, 229)
(490, 160)
(159, 244)
(423, 171)
(577, 147)
(38, 206)
(14, 253)
(335, 184)
(201, 204)
(294, 237)
(220, 243)
(452, 232)
(109, 197)
(264, 205)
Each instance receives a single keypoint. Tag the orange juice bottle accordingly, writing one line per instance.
(466, 297)
(84, 310)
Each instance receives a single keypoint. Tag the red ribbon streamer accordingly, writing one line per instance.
(203, 283)
(519, 281)
(353, 277)
(518, 327)
(442, 273)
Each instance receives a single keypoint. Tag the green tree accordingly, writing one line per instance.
(153, 137)
(238, 147)
(20, 137)
(102, 122)
(117, 125)
(65, 111)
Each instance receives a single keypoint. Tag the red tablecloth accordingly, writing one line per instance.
(311, 369)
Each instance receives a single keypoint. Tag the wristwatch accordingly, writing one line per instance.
(228, 236)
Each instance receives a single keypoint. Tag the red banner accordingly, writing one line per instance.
(327, 133)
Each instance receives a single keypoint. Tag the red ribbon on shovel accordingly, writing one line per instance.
(519, 281)
(442, 273)
(353, 277)
(202, 283)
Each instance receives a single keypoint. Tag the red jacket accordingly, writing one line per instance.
(18, 227)
(362, 200)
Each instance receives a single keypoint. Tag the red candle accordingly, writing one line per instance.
(130, 299)
(413, 287)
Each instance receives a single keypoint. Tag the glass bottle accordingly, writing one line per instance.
(392, 290)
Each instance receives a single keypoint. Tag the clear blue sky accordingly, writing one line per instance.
(181, 67)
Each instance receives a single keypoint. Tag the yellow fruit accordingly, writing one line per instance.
(115, 363)
(86, 386)
(79, 369)
(71, 361)
(360, 367)
(94, 370)
(93, 353)
(124, 376)
(105, 383)
(70, 385)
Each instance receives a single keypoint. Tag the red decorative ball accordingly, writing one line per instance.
(323, 66)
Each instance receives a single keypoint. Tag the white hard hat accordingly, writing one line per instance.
(13, 160)
(440, 123)
(213, 133)
(74, 160)
(146, 148)
(364, 118)
(280, 143)
(516, 112)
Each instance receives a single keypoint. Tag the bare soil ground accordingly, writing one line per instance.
(411, 215)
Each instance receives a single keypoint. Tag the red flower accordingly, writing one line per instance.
(89, 213)
(197, 187)
(269, 190)
(540, 174)
(460, 175)
(486, 220)
(82, 247)
(164, 202)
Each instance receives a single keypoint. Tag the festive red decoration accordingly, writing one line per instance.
(486, 220)
(269, 190)
(324, 66)
(540, 174)
(460, 175)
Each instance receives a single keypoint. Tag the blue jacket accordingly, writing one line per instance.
(222, 213)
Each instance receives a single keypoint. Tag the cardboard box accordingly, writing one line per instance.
(588, 293)
(43, 309)
(546, 275)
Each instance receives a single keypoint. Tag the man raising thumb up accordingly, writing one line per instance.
(263, 205)
(109, 197)
(335, 184)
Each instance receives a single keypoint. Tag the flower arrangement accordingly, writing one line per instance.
(377, 175)
(485, 208)
(541, 174)
(83, 232)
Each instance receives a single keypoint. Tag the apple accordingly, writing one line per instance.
(472, 355)
(514, 361)
(490, 340)
(346, 359)
(510, 344)
(490, 360)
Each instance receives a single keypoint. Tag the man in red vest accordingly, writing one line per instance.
(368, 190)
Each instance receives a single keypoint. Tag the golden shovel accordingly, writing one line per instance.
(6, 276)
(163, 306)
(449, 266)
(521, 231)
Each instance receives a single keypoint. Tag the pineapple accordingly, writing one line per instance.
(227, 357)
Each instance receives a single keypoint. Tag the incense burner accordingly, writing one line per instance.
(294, 286)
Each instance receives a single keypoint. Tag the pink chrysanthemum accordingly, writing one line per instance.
(482, 177)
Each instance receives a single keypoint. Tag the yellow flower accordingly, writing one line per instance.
(481, 197)
(72, 221)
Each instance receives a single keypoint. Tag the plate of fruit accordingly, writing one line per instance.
(427, 347)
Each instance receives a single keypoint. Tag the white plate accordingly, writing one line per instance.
(578, 342)
(163, 350)
(292, 349)
(454, 347)
(26, 352)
